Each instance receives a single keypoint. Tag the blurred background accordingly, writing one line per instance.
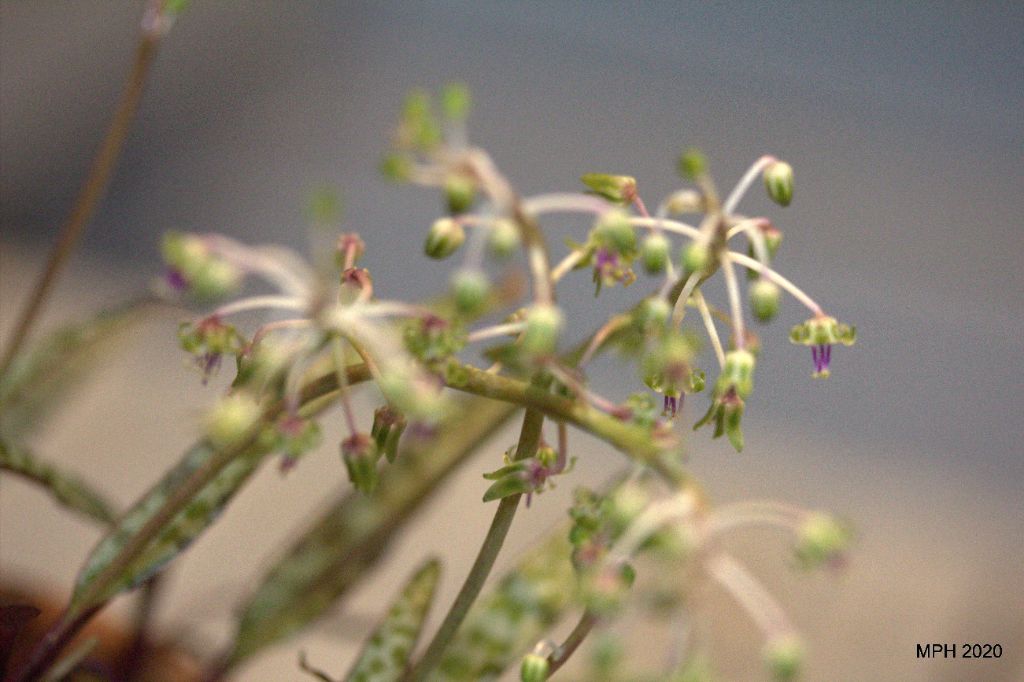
(903, 123)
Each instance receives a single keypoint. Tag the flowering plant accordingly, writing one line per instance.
(449, 371)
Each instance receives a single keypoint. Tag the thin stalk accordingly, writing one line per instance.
(709, 324)
(741, 187)
(567, 648)
(739, 332)
(529, 440)
(667, 225)
(95, 183)
(795, 291)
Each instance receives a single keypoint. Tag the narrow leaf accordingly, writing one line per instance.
(201, 510)
(513, 484)
(386, 653)
(354, 532)
(66, 488)
(43, 374)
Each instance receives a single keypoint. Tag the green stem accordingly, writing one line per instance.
(529, 440)
(559, 657)
(91, 192)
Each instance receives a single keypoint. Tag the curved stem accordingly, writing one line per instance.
(795, 291)
(667, 225)
(529, 440)
(95, 183)
(741, 187)
(566, 649)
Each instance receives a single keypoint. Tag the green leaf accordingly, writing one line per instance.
(513, 484)
(354, 532)
(66, 488)
(44, 373)
(199, 513)
(386, 653)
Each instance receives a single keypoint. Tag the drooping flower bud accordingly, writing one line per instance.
(503, 239)
(764, 299)
(654, 252)
(456, 101)
(459, 193)
(388, 426)
(784, 656)
(822, 539)
(534, 668)
(614, 232)
(619, 189)
(470, 289)
(778, 180)
(685, 201)
(653, 313)
(692, 164)
(231, 420)
(696, 257)
(215, 279)
(543, 326)
(360, 458)
(445, 237)
(738, 372)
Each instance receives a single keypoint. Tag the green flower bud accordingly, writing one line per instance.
(696, 257)
(456, 101)
(784, 657)
(778, 180)
(764, 299)
(620, 189)
(470, 288)
(654, 252)
(215, 279)
(822, 539)
(666, 368)
(614, 232)
(685, 201)
(388, 426)
(772, 239)
(534, 668)
(737, 372)
(396, 167)
(543, 326)
(653, 313)
(692, 164)
(445, 237)
(459, 193)
(231, 420)
(184, 252)
(360, 458)
(503, 238)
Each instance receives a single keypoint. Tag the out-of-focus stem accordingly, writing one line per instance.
(93, 188)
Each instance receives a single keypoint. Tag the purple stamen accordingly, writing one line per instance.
(175, 280)
(814, 354)
(670, 406)
(209, 363)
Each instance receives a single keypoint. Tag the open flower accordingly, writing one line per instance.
(821, 333)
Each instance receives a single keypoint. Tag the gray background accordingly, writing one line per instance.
(904, 125)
